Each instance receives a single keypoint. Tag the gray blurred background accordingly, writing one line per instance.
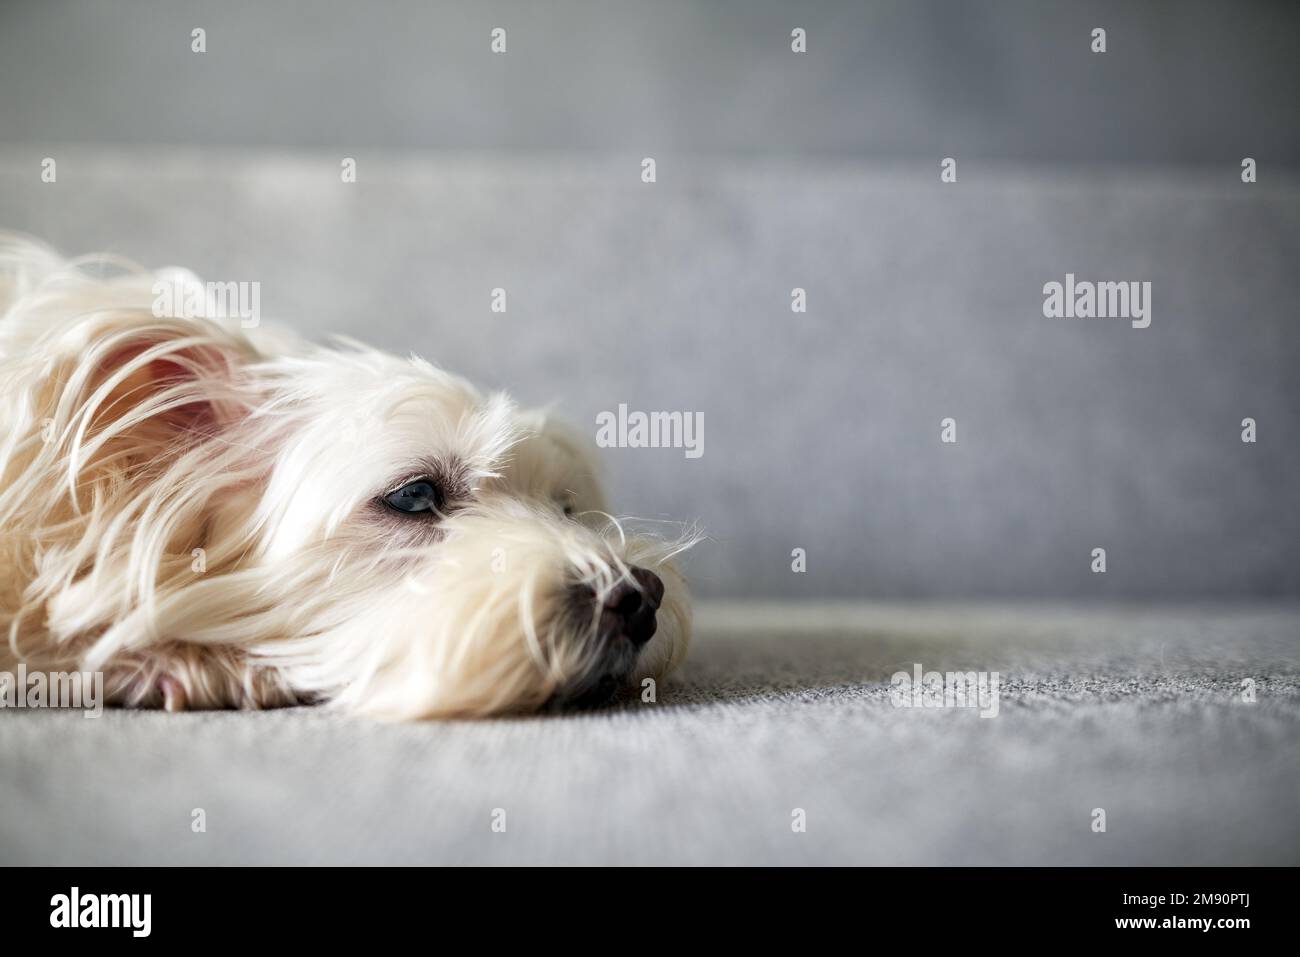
(775, 170)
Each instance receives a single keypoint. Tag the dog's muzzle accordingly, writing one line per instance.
(627, 621)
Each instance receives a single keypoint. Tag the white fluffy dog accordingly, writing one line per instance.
(220, 517)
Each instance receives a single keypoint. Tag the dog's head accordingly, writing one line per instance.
(379, 530)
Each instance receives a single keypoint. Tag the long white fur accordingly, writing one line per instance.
(191, 508)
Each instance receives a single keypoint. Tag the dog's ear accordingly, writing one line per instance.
(178, 373)
(157, 385)
(555, 460)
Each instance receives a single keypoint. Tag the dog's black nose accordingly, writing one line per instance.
(629, 608)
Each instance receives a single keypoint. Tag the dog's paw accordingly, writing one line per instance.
(173, 694)
(134, 687)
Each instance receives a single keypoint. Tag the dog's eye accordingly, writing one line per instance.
(421, 495)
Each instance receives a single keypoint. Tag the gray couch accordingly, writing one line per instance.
(1165, 692)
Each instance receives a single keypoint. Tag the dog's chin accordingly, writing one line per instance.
(611, 678)
(596, 692)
